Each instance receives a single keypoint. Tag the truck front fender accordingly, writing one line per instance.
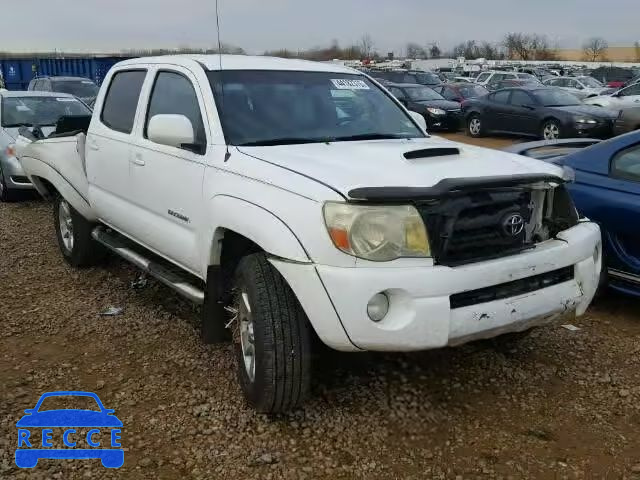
(254, 222)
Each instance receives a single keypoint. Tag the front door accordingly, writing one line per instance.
(497, 110)
(108, 147)
(166, 181)
(522, 114)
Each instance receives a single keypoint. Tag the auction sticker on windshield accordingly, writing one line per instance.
(345, 84)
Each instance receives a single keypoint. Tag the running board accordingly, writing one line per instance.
(163, 274)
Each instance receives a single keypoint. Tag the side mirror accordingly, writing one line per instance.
(419, 119)
(172, 130)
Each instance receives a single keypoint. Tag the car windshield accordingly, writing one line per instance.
(69, 402)
(473, 91)
(29, 111)
(284, 107)
(590, 82)
(422, 93)
(552, 97)
(79, 88)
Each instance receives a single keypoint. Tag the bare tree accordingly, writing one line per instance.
(366, 45)
(415, 51)
(636, 46)
(595, 49)
(528, 47)
(435, 51)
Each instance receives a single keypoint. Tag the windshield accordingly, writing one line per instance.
(284, 107)
(555, 98)
(29, 111)
(422, 93)
(473, 91)
(590, 82)
(79, 88)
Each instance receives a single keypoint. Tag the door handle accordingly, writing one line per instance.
(137, 160)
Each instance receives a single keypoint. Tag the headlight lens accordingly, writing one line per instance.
(377, 233)
(436, 111)
(588, 120)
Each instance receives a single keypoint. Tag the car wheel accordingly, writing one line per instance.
(474, 126)
(271, 337)
(550, 130)
(6, 195)
(73, 231)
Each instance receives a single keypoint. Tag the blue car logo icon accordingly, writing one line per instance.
(31, 448)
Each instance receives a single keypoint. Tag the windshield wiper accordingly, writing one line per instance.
(284, 141)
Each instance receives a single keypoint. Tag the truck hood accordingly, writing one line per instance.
(346, 166)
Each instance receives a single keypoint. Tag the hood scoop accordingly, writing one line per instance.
(431, 152)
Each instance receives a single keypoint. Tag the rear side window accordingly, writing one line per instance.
(119, 110)
(501, 97)
(174, 94)
(626, 164)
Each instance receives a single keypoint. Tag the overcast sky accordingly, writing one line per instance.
(258, 25)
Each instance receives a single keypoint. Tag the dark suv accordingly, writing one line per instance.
(83, 88)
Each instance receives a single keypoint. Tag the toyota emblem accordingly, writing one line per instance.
(513, 225)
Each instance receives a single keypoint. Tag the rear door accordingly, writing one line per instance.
(522, 116)
(166, 181)
(108, 147)
(497, 111)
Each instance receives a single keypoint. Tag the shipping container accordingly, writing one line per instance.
(18, 72)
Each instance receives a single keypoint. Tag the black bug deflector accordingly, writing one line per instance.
(449, 186)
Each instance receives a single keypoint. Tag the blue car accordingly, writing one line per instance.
(606, 190)
(29, 442)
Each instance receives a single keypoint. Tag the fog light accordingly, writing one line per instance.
(378, 307)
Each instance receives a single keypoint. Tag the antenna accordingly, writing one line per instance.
(227, 153)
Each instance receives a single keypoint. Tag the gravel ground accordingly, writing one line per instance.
(556, 404)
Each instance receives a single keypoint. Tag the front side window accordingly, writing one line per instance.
(626, 164)
(173, 93)
(520, 98)
(42, 111)
(483, 77)
(121, 103)
(555, 98)
(630, 91)
(284, 107)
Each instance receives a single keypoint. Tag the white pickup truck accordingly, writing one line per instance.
(297, 199)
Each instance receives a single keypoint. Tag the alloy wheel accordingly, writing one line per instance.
(475, 126)
(551, 131)
(66, 225)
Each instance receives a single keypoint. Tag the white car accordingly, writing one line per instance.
(493, 77)
(626, 97)
(581, 87)
(297, 199)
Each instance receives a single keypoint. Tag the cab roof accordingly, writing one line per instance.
(243, 62)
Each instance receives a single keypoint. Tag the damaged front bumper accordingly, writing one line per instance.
(435, 306)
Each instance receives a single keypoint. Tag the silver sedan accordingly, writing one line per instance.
(28, 109)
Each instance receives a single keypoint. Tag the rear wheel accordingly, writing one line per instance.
(474, 126)
(73, 231)
(550, 130)
(271, 337)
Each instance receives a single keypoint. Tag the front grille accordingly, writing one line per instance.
(511, 289)
(474, 226)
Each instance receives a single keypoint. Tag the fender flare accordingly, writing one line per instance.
(37, 169)
(254, 222)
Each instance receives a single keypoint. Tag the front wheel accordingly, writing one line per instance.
(550, 130)
(271, 337)
(474, 126)
(73, 231)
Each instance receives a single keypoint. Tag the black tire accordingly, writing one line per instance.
(6, 195)
(85, 251)
(554, 126)
(471, 130)
(214, 318)
(282, 340)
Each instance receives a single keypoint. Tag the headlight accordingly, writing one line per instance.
(435, 111)
(588, 120)
(378, 233)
